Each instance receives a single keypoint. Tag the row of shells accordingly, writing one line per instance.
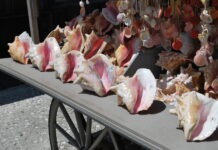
(95, 50)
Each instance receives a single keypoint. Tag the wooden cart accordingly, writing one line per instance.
(154, 129)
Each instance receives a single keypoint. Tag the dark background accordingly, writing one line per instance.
(14, 17)
(14, 20)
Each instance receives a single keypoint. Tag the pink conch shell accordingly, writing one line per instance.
(20, 47)
(197, 114)
(171, 60)
(44, 54)
(121, 54)
(75, 40)
(65, 64)
(211, 76)
(57, 33)
(110, 12)
(97, 74)
(137, 92)
(93, 45)
(125, 52)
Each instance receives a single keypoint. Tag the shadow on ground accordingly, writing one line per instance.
(17, 93)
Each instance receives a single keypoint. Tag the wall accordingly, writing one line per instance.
(14, 20)
(14, 17)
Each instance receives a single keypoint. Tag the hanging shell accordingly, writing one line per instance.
(110, 12)
(137, 93)
(197, 114)
(20, 47)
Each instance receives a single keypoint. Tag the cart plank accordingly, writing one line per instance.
(155, 129)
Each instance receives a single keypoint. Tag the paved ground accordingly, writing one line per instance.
(24, 121)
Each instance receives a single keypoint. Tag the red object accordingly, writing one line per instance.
(94, 49)
(177, 44)
(168, 12)
(194, 34)
(215, 3)
(195, 20)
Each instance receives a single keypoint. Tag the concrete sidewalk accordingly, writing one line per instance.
(24, 121)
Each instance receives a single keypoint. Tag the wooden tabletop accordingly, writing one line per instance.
(154, 129)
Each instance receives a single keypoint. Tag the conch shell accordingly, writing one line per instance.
(97, 74)
(171, 61)
(125, 51)
(93, 45)
(20, 47)
(137, 92)
(57, 33)
(44, 54)
(170, 86)
(197, 114)
(65, 64)
(75, 40)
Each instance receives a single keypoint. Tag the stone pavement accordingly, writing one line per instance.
(24, 121)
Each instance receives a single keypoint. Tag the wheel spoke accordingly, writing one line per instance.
(88, 132)
(99, 139)
(113, 139)
(80, 123)
(70, 123)
(70, 138)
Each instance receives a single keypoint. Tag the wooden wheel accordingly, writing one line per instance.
(81, 136)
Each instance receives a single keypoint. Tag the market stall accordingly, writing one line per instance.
(155, 129)
(151, 58)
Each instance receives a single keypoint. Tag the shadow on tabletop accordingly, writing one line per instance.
(155, 108)
(213, 137)
(94, 94)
